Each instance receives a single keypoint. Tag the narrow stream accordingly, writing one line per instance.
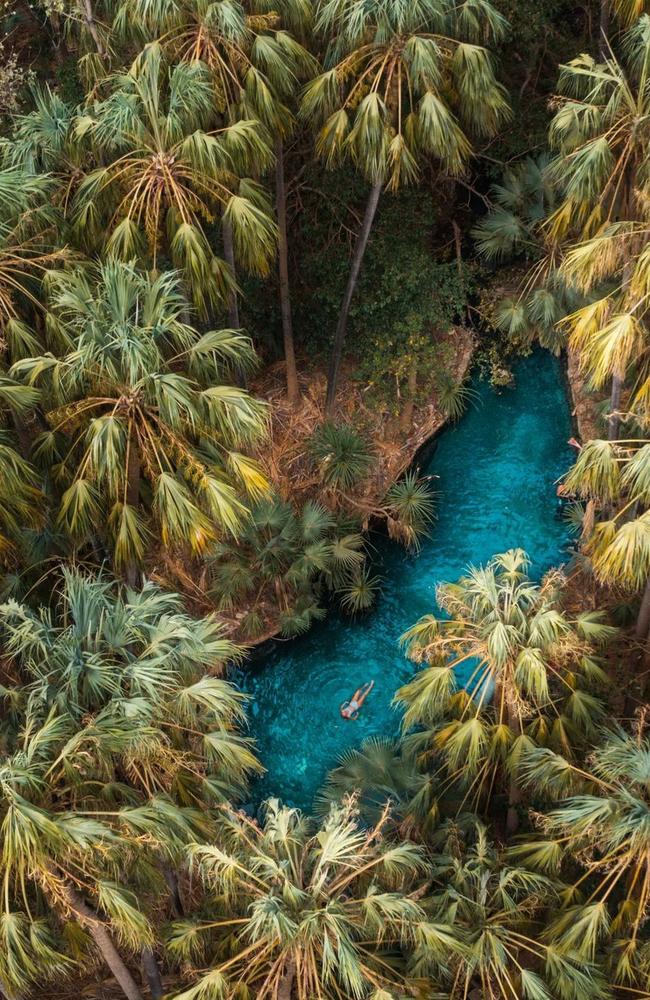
(496, 490)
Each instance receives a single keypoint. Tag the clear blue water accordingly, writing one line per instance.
(496, 490)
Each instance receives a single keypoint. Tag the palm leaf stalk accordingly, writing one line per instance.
(118, 737)
(383, 101)
(143, 430)
(529, 668)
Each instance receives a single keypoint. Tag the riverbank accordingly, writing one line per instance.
(290, 470)
(285, 454)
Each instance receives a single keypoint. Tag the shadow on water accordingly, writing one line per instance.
(496, 490)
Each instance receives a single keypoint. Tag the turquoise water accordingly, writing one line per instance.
(497, 469)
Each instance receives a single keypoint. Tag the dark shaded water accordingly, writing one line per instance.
(497, 469)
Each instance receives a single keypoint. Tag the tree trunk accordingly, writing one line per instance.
(172, 884)
(89, 18)
(152, 974)
(643, 619)
(614, 420)
(406, 416)
(286, 983)
(229, 255)
(58, 41)
(342, 325)
(514, 799)
(133, 497)
(514, 791)
(293, 389)
(233, 303)
(603, 30)
(103, 940)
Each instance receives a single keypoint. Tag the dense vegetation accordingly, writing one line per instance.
(247, 249)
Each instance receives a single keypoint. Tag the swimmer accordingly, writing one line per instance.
(350, 709)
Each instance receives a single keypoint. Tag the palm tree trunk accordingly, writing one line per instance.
(514, 791)
(89, 18)
(406, 416)
(233, 303)
(172, 884)
(152, 973)
(603, 29)
(614, 420)
(229, 255)
(514, 799)
(342, 325)
(293, 389)
(133, 497)
(103, 940)
(286, 983)
(643, 619)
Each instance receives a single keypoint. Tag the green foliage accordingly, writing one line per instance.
(116, 732)
(342, 456)
(142, 430)
(528, 669)
(602, 818)
(411, 509)
(285, 891)
(408, 297)
(287, 560)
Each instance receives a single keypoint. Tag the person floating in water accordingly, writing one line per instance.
(350, 709)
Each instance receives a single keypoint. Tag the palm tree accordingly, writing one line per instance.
(256, 65)
(284, 559)
(602, 818)
(613, 477)
(385, 101)
(600, 129)
(116, 736)
(512, 228)
(308, 910)
(162, 175)
(26, 222)
(142, 428)
(383, 770)
(486, 916)
(342, 456)
(528, 666)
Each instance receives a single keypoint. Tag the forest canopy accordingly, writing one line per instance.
(254, 256)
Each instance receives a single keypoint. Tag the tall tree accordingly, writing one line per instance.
(256, 66)
(404, 82)
(527, 666)
(143, 429)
